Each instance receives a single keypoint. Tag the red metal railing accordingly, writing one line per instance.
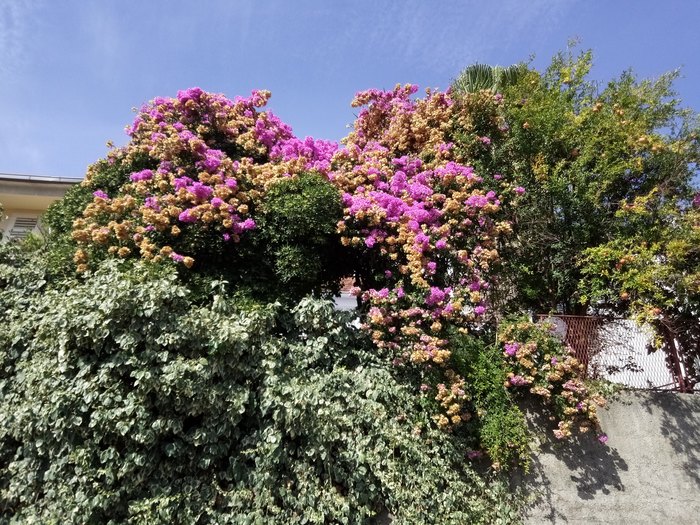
(622, 352)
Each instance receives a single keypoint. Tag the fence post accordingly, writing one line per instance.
(672, 354)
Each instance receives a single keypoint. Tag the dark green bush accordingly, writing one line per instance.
(298, 226)
(293, 252)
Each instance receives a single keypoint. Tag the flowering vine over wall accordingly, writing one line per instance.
(424, 223)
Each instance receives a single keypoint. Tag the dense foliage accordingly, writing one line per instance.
(161, 383)
(420, 229)
(122, 401)
(162, 359)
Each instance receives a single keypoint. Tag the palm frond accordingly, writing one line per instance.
(477, 77)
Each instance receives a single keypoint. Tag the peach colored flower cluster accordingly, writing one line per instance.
(538, 362)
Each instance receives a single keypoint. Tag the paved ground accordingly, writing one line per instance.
(649, 472)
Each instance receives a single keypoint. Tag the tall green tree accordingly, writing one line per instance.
(580, 151)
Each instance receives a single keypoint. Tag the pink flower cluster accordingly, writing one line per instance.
(316, 153)
(414, 204)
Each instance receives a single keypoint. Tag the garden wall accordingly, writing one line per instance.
(649, 472)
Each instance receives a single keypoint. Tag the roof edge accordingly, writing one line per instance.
(18, 177)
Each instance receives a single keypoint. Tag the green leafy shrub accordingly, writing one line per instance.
(122, 401)
(499, 424)
(298, 239)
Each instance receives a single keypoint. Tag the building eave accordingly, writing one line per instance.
(39, 179)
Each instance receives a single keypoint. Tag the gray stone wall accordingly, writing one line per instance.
(648, 473)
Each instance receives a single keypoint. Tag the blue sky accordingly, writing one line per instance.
(70, 71)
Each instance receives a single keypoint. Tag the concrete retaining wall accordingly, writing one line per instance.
(649, 472)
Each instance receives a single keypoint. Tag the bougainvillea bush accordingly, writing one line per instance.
(429, 226)
(191, 187)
